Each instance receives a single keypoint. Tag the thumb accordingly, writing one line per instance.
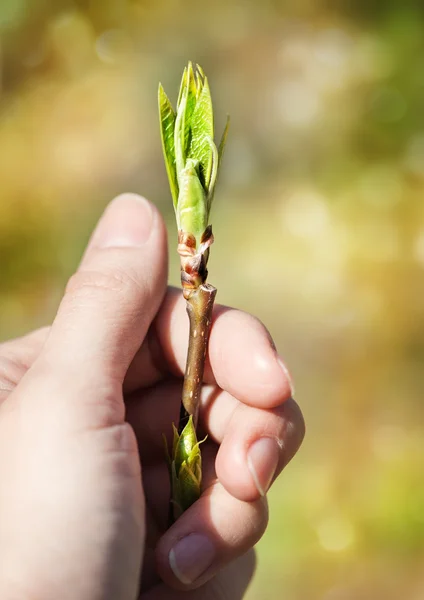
(110, 302)
(72, 466)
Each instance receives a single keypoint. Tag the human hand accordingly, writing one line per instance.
(84, 485)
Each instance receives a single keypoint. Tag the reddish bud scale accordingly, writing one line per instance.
(193, 261)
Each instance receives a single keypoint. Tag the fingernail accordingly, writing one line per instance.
(288, 375)
(127, 222)
(191, 557)
(262, 459)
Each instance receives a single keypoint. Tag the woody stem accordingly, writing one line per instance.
(199, 308)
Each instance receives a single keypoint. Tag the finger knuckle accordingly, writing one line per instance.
(86, 284)
(255, 520)
(10, 374)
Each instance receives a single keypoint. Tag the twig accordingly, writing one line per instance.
(199, 308)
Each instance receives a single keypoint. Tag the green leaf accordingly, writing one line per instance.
(192, 215)
(188, 82)
(201, 131)
(179, 142)
(195, 461)
(212, 175)
(167, 125)
(216, 164)
(177, 509)
(200, 79)
(187, 441)
(185, 468)
(176, 437)
(183, 86)
(189, 487)
(192, 158)
(187, 100)
(223, 141)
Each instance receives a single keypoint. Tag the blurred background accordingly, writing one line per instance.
(319, 225)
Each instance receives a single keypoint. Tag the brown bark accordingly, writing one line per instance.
(199, 308)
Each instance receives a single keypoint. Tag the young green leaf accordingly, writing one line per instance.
(186, 442)
(192, 210)
(212, 175)
(189, 487)
(167, 125)
(200, 79)
(217, 155)
(201, 131)
(223, 141)
(176, 437)
(188, 83)
(179, 141)
(186, 103)
(185, 467)
(183, 85)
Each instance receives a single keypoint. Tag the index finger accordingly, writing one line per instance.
(242, 358)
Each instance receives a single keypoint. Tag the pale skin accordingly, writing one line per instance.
(83, 404)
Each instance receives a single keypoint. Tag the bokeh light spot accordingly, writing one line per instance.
(113, 46)
(335, 533)
(298, 103)
(333, 47)
(389, 442)
(306, 214)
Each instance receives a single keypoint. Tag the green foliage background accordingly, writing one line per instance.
(319, 225)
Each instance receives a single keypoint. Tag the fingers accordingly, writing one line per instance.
(244, 362)
(212, 533)
(242, 357)
(257, 445)
(229, 584)
(110, 302)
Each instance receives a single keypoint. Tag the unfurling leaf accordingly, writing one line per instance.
(185, 466)
(202, 135)
(167, 126)
(191, 156)
(192, 162)
(187, 106)
(223, 141)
